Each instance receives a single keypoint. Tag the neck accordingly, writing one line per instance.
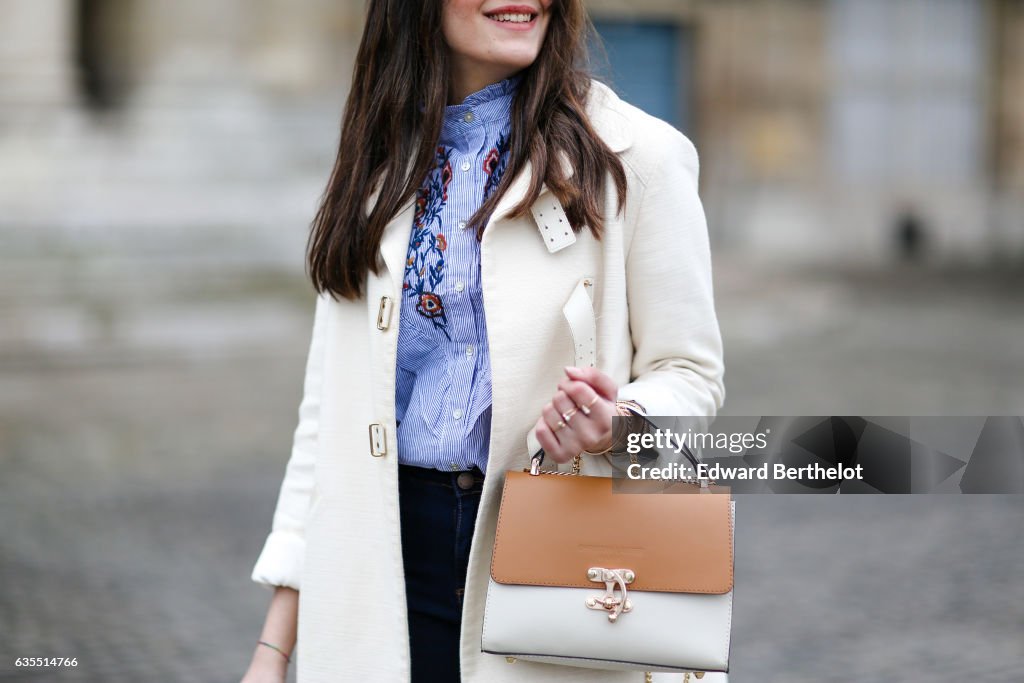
(468, 79)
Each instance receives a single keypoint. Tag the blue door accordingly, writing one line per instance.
(650, 65)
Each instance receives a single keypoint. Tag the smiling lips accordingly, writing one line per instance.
(514, 18)
(513, 15)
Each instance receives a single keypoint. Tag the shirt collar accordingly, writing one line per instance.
(502, 90)
(490, 104)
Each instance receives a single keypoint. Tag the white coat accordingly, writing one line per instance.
(335, 534)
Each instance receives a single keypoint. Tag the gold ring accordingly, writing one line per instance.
(585, 410)
(568, 416)
(558, 426)
(591, 404)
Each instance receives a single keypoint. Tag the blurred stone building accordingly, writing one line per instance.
(829, 130)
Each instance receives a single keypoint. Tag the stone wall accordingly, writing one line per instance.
(225, 127)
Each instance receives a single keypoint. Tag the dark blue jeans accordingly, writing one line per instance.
(438, 512)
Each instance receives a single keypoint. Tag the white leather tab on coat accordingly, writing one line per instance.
(335, 533)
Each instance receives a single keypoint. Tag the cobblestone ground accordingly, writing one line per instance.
(146, 415)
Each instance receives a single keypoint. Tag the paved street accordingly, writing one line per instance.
(146, 416)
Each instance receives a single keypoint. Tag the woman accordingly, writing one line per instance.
(479, 167)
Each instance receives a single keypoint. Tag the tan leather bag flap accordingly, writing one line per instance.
(552, 528)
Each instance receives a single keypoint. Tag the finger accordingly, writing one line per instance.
(586, 399)
(581, 394)
(600, 381)
(567, 442)
(566, 407)
(549, 441)
(553, 421)
(582, 431)
(593, 425)
(576, 390)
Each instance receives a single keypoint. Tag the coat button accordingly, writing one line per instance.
(465, 480)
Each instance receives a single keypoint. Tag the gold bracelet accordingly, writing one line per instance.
(615, 438)
(274, 647)
(631, 405)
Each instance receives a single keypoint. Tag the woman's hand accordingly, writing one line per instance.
(585, 390)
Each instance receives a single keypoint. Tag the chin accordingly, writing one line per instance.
(515, 61)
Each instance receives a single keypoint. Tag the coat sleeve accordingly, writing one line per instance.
(280, 562)
(677, 365)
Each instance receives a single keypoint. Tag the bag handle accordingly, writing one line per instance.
(579, 313)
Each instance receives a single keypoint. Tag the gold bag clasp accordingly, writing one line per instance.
(610, 603)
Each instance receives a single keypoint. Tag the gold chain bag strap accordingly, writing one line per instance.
(635, 577)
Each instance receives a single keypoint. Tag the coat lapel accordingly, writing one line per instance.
(394, 245)
(547, 210)
(611, 126)
(394, 242)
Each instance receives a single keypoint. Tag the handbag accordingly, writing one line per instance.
(635, 576)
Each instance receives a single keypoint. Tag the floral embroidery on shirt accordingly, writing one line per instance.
(494, 165)
(430, 305)
(425, 265)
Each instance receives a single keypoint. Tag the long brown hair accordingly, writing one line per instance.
(394, 113)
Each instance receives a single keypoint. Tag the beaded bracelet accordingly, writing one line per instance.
(274, 647)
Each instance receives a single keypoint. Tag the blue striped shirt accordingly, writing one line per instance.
(443, 380)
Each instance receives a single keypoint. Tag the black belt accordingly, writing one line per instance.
(442, 476)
